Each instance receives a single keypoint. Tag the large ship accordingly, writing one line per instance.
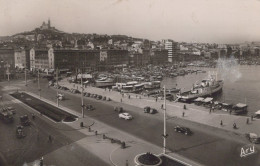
(207, 87)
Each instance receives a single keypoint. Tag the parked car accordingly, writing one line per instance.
(108, 99)
(25, 120)
(253, 138)
(87, 94)
(99, 97)
(119, 109)
(183, 130)
(75, 91)
(20, 132)
(125, 116)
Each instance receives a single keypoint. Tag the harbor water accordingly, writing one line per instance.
(241, 84)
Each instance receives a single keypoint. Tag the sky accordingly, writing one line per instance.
(205, 21)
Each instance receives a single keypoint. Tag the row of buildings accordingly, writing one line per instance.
(52, 58)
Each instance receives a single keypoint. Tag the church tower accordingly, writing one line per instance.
(49, 23)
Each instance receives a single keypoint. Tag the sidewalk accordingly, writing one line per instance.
(193, 113)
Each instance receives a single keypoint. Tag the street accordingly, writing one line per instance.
(209, 146)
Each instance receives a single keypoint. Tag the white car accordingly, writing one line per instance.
(61, 96)
(125, 116)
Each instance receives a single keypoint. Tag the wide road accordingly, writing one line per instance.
(208, 145)
(14, 151)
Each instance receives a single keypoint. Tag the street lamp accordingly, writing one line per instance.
(39, 88)
(164, 122)
(57, 78)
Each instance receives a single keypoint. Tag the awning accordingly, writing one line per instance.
(241, 105)
(208, 99)
(257, 112)
(199, 99)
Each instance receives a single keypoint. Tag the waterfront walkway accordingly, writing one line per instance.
(198, 114)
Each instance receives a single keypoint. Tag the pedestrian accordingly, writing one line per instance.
(183, 113)
(156, 99)
(41, 161)
(230, 112)
(252, 117)
(95, 132)
(33, 116)
(221, 123)
(128, 96)
(234, 125)
(210, 110)
(162, 106)
(50, 138)
(247, 120)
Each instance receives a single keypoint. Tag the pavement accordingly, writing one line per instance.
(194, 113)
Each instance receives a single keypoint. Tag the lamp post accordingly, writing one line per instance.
(25, 77)
(82, 101)
(39, 88)
(164, 122)
(57, 78)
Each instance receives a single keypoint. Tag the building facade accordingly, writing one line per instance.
(171, 46)
(22, 58)
(39, 59)
(159, 56)
(7, 64)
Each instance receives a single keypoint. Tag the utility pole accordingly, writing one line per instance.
(39, 83)
(57, 78)
(164, 122)
(25, 77)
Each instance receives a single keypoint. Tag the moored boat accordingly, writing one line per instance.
(207, 87)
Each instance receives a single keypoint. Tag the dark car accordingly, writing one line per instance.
(150, 110)
(87, 94)
(183, 130)
(147, 109)
(19, 132)
(89, 107)
(25, 120)
(99, 97)
(119, 109)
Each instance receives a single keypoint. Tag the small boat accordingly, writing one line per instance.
(239, 108)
